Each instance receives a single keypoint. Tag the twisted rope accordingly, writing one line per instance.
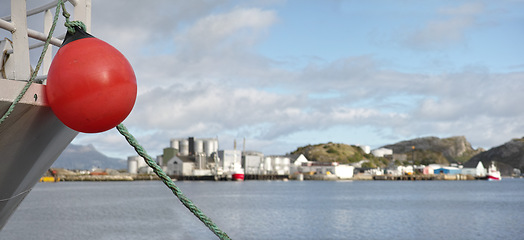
(170, 184)
(37, 68)
(70, 25)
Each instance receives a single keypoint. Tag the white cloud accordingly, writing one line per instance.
(202, 77)
(449, 30)
(218, 32)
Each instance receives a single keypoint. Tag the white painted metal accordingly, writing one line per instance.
(22, 67)
(48, 57)
(36, 10)
(43, 37)
(20, 32)
(83, 12)
(7, 25)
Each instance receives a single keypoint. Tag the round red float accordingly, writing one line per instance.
(91, 87)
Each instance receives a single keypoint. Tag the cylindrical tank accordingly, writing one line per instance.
(199, 146)
(286, 161)
(174, 144)
(184, 147)
(215, 145)
(160, 160)
(132, 165)
(209, 146)
(277, 163)
(267, 165)
(140, 162)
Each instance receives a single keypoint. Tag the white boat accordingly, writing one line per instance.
(493, 173)
(32, 137)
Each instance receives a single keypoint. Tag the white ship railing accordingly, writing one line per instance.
(19, 67)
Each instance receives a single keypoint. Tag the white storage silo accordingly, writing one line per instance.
(277, 163)
(140, 162)
(267, 165)
(209, 146)
(175, 144)
(199, 146)
(286, 163)
(215, 145)
(132, 165)
(184, 147)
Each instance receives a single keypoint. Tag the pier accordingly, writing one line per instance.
(424, 177)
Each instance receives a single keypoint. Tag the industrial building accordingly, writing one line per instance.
(478, 172)
(448, 170)
(200, 159)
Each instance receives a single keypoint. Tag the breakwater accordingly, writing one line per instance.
(120, 177)
(424, 177)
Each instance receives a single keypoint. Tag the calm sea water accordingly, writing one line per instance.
(273, 210)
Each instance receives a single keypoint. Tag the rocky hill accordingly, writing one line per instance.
(427, 150)
(507, 157)
(86, 157)
(436, 150)
(331, 152)
(338, 152)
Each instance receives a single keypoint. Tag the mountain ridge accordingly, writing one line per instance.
(86, 157)
(507, 156)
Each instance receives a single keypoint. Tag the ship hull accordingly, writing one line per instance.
(238, 177)
(31, 139)
(494, 177)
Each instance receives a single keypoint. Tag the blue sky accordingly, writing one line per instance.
(284, 74)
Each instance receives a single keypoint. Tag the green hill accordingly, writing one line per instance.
(341, 153)
(426, 151)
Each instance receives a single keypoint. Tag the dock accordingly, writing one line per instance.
(100, 178)
(423, 177)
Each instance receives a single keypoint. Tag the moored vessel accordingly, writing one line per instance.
(31, 136)
(493, 173)
(238, 175)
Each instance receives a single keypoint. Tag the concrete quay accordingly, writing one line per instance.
(100, 178)
(424, 177)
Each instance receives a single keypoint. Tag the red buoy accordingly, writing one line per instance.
(91, 87)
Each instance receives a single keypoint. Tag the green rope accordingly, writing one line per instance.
(35, 72)
(70, 25)
(169, 183)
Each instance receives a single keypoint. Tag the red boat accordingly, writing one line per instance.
(238, 175)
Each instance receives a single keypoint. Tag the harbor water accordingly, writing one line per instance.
(273, 210)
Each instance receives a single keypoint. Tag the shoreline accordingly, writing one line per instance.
(359, 177)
